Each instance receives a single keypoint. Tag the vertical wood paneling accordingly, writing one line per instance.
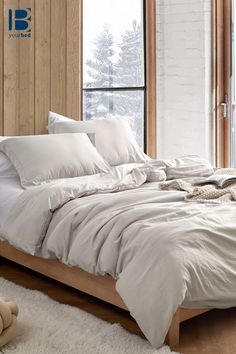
(1, 68)
(42, 65)
(11, 66)
(74, 59)
(43, 72)
(18, 76)
(58, 56)
(26, 76)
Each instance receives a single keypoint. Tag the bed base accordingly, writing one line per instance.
(102, 287)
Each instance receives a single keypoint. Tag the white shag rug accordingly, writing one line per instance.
(47, 327)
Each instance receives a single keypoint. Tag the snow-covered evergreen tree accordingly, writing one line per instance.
(126, 70)
(129, 73)
(100, 69)
(129, 69)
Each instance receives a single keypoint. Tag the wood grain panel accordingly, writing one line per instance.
(11, 79)
(74, 59)
(26, 76)
(1, 67)
(221, 29)
(42, 65)
(58, 56)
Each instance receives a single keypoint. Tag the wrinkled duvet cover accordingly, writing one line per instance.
(163, 251)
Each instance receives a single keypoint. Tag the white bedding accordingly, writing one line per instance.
(114, 138)
(10, 189)
(43, 158)
(163, 251)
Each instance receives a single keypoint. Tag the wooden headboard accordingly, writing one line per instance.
(43, 72)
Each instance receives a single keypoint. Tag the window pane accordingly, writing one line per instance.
(113, 53)
(122, 103)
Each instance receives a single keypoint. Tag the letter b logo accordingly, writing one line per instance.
(19, 20)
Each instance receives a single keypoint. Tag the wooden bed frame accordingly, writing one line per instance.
(102, 287)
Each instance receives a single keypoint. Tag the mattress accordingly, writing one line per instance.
(10, 189)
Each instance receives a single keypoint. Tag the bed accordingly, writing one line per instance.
(101, 287)
(125, 258)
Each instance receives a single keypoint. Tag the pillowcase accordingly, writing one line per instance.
(7, 170)
(43, 158)
(114, 138)
(54, 118)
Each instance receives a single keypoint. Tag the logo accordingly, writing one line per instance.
(19, 23)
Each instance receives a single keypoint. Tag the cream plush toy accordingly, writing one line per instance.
(8, 323)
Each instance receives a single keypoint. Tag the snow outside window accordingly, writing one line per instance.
(113, 61)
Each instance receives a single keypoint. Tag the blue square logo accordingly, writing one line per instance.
(19, 20)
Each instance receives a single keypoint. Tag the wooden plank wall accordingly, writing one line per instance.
(43, 72)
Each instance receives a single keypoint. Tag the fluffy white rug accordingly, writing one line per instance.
(47, 327)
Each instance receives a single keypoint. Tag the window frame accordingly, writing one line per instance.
(221, 81)
(150, 75)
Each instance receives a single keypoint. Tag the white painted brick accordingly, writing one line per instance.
(184, 77)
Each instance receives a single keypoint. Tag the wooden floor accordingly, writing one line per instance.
(211, 333)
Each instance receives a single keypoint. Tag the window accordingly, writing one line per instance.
(116, 38)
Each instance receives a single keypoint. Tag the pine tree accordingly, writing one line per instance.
(101, 72)
(130, 64)
(129, 72)
(126, 72)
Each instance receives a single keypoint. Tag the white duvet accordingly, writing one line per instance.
(163, 251)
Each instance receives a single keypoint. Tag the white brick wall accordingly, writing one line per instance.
(184, 78)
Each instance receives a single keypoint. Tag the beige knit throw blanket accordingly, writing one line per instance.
(203, 194)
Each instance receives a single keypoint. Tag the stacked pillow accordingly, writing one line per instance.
(114, 138)
(80, 148)
(43, 158)
(69, 150)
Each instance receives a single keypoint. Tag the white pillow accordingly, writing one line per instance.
(43, 158)
(7, 170)
(114, 138)
(54, 118)
(3, 138)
